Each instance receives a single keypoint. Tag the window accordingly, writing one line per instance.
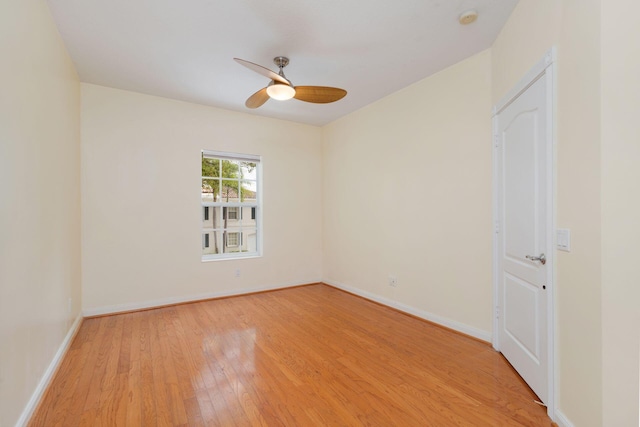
(231, 205)
(232, 213)
(233, 239)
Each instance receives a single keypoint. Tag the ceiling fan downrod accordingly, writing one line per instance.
(281, 62)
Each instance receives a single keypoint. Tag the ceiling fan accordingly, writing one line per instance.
(280, 88)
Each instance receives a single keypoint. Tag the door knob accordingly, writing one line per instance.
(541, 258)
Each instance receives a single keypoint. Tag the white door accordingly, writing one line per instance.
(522, 132)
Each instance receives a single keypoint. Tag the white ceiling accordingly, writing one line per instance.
(184, 49)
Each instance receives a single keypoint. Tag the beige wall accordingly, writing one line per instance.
(574, 27)
(141, 222)
(620, 211)
(39, 202)
(400, 187)
(407, 191)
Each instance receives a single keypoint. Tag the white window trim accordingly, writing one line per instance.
(258, 205)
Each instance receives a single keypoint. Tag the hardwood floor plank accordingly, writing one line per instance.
(134, 395)
(148, 410)
(194, 415)
(303, 356)
(114, 402)
(220, 391)
(275, 406)
(160, 387)
(124, 358)
(197, 370)
(235, 357)
(99, 374)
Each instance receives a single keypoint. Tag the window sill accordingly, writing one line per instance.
(230, 258)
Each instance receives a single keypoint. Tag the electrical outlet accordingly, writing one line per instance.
(393, 281)
(237, 272)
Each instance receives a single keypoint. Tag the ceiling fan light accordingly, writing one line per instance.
(280, 92)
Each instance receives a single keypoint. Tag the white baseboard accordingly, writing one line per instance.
(562, 420)
(121, 308)
(448, 323)
(48, 374)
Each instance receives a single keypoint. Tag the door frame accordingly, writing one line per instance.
(544, 69)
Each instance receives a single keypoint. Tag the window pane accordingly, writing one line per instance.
(233, 214)
(229, 191)
(210, 167)
(231, 169)
(249, 240)
(240, 240)
(231, 242)
(233, 239)
(249, 217)
(212, 243)
(214, 219)
(210, 190)
(248, 170)
(249, 191)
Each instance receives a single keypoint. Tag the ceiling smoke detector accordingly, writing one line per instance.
(468, 17)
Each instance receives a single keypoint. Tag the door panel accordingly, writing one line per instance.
(521, 315)
(519, 184)
(521, 162)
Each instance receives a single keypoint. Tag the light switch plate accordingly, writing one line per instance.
(563, 239)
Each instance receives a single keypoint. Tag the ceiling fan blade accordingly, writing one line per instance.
(257, 99)
(319, 94)
(262, 70)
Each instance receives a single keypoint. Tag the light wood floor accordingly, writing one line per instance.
(307, 356)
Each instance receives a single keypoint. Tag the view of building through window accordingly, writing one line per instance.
(230, 224)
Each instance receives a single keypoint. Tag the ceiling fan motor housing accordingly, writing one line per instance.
(281, 61)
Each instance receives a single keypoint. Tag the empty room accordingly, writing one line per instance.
(299, 213)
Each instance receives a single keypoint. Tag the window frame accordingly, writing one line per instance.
(257, 206)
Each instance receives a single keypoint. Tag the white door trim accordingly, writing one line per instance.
(544, 69)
